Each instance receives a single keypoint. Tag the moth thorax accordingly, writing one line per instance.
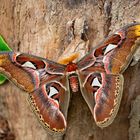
(71, 67)
(74, 83)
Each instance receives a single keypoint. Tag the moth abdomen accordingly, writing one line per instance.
(74, 83)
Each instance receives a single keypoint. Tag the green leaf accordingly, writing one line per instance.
(2, 79)
(3, 47)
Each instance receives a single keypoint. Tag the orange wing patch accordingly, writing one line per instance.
(69, 59)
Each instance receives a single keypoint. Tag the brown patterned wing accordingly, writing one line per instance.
(100, 73)
(50, 104)
(107, 99)
(103, 93)
(46, 84)
(115, 52)
(118, 59)
(27, 71)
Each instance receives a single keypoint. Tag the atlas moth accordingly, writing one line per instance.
(97, 76)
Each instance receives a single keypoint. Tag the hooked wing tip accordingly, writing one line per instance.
(134, 31)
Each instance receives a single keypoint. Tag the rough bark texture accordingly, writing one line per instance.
(40, 27)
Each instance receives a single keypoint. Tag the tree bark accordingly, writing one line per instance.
(42, 28)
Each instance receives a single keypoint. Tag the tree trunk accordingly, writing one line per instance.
(43, 28)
